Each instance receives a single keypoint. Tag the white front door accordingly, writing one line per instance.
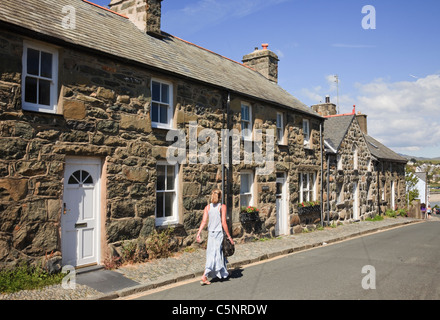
(393, 194)
(282, 226)
(355, 201)
(80, 212)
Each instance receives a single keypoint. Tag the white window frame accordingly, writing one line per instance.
(280, 127)
(310, 188)
(244, 134)
(169, 105)
(355, 158)
(306, 132)
(249, 194)
(174, 218)
(339, 160)
(29, 106)
(340, 192)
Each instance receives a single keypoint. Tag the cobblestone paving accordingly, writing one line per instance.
(186, 265)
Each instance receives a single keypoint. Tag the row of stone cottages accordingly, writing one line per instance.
(85, 113)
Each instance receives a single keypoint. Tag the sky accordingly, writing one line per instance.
(385, 53)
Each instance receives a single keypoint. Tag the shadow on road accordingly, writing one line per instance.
(233, 274)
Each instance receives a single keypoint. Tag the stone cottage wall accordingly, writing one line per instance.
(342, 211)
(104, 112)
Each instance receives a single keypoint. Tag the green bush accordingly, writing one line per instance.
(375, 218)
(158, 244)
(391, 213)
(25, 277)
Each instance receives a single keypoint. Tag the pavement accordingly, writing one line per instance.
(97, 283)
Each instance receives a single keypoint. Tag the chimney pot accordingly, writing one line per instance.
(144, 14)
(264, 61)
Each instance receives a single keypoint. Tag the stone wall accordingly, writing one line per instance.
(341, 210)
(104, 112)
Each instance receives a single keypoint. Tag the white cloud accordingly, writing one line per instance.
(403, 115)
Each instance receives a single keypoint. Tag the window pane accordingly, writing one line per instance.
(170, 178)
(278, 120)
(159, 205)
(245, 200)
(160, 178)
(165, 94)
(155, 91)
(245, 182)
(46, 65)
(244, 112)
(279, 188)
(155, 112)
(31, 90)
(163, 114)
(169, 199)
(44, 92)
(33, 61)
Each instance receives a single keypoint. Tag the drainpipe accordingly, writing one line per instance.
(322, 174)
(229, 169)
(328, 190)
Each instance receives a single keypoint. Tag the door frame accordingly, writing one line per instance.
(282, 228)
(79, 160)
(355, 195)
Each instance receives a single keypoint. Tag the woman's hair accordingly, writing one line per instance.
(218, 192)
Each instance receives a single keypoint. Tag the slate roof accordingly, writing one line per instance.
(335, 129)
(101, 30)
(381, 152)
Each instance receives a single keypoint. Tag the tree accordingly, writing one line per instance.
(411, 185)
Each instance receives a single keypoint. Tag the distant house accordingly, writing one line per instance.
(88, 113)
(422, 187)
(362, 176)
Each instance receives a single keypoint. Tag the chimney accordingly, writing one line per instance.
(362, 120)
(264, 61)
(325, 109)
(145, 14)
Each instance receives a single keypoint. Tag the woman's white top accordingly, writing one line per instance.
(215, 217)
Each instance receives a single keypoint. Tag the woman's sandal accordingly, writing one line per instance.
(204, 282)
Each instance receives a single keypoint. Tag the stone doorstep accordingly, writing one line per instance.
(146, 287)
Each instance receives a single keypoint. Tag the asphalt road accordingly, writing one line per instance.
(402, 263)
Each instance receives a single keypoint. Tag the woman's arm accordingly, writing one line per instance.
(225, 224)
(203, 223)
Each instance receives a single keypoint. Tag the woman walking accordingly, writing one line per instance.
(215, 212)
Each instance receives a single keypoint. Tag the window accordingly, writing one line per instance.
(340, 192)
(280, 128)
(307, 187)
(369, 190)
(339, 159)
(39, 78)
(161, 104)
(166, 194)
(370, 165)
(80, 177)
(306, 132)
(246, 183)
(355, 157)
(246, 121)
